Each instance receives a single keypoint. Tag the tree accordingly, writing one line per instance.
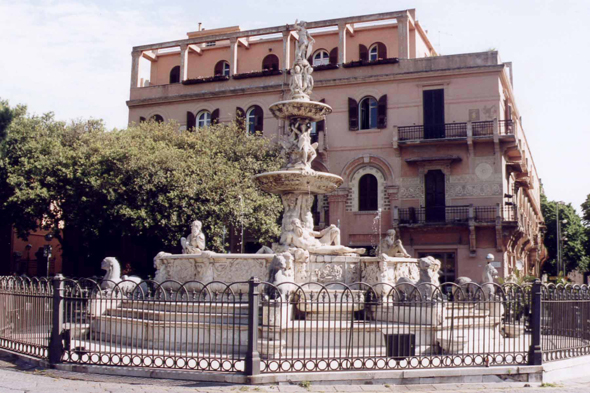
(586, 220)
(574, 252)
(146, 183)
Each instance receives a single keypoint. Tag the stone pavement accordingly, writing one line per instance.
(19, 377)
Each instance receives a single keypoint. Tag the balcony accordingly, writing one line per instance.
(450, 131)
(454, 215)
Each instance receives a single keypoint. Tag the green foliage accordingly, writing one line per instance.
(574, 248)
(148, 181)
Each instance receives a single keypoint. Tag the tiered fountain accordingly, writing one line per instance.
(315, 256)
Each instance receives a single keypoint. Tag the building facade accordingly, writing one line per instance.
(430, 145)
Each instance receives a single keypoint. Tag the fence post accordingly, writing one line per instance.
(55, 341)
(252, 356)
(535, 350)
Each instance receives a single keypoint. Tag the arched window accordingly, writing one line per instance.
(254, 119)
(222, 68)
(175, 74)
(377, 51)
(321, 57)
(368, 111)
(368, 193)
(203, 119)
(158, 118)
(270, 62)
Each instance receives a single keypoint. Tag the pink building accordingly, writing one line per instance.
(435, 143)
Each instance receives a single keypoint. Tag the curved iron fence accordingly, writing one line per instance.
(257, 327)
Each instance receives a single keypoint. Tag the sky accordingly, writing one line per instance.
(73, 58)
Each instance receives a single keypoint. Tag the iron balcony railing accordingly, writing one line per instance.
(454, 130)
(455, 214)
(433, 131)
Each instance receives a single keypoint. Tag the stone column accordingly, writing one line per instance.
(135, 56)
(286, 50)
(403, 37)
(183, 62)
(233, 56)
(341, 43)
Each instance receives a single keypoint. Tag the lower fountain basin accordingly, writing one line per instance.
(303, 181)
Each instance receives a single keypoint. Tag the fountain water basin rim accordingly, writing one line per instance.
(312, 110)
(298, 181)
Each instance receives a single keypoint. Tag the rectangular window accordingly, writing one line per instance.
(434, 113)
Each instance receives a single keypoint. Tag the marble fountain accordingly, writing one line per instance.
(308, 259)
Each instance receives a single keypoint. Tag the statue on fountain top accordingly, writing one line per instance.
(195, 242)
(301, 80)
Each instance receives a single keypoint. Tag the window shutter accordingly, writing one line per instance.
(218, 68)
(382, 112)
(321, 125)
(240, 118)
(334, 56)
(215, 116)
(381, 51)
(363, 53)
(353, 114)
(259, 119)
(191, 120)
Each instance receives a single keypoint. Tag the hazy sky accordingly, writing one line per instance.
(74, 57)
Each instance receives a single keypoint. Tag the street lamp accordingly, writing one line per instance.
(560, 239)
(47, 249)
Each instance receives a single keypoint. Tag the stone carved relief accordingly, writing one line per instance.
(484, 171)
(329, 273)
(489, 113)
(474, 190)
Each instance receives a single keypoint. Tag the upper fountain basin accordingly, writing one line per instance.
(298, 181)
(312, 110)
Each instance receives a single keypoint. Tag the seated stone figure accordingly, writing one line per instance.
(392, 247)
(195, 242)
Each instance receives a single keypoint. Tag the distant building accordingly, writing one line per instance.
(433, 142)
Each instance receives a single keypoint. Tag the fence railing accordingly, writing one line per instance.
(257, 327)
(455, 214)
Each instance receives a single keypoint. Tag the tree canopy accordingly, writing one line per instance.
(574, 245)
(148, 181)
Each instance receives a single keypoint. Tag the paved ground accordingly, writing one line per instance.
(20, 377)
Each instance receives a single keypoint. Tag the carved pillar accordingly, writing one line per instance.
(135, 55)
(472, 238)
(341, 43)
(233, 56)
(499, 238)
(286, 50)
(403, 37)
(183, 62)
(337, 206)
(395, 141)
(393, 195)
(470, 144)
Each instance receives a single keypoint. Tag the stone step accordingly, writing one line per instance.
(204, 316)
(171, 306)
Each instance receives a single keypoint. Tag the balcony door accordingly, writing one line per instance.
(434, 182)
(434, 113)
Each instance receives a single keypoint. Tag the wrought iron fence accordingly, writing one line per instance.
(565, 321)
(26, 315)
(257, 327)
(505, 127)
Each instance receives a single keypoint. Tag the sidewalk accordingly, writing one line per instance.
(20, 377)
